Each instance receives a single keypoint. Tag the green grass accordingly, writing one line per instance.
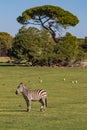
(67, 102)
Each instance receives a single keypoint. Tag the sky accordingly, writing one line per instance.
(11, 9)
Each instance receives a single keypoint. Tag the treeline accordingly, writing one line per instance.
(6, 41)
(36, 47)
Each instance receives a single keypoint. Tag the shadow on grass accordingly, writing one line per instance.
(7, 64)
(11, 110)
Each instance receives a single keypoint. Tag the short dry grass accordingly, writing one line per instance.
(67, 99)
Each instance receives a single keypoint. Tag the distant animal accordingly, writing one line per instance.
(33, 95)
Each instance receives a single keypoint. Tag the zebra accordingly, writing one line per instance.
(33, 95)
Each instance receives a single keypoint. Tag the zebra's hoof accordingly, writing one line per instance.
(42, 110)
(28, 110)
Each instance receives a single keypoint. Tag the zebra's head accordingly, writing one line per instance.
(19, 89)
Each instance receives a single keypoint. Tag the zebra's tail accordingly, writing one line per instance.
(46, 102)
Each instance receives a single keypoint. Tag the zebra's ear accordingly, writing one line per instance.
(21, 83)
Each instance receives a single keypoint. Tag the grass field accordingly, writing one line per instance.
(67, 99)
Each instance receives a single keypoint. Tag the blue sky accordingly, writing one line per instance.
(11, 9)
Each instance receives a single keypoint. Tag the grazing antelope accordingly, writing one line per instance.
(33, 95)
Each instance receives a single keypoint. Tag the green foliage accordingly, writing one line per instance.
(81, 56)
(49, 17)
(36, 47)
(67, 49)
(31, 45)
(5, 43)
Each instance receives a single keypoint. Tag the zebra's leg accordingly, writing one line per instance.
(42, 101)
(28, 105)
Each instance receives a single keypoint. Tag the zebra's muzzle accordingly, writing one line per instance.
(16, 92)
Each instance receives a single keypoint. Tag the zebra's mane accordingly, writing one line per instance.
(25, 87)
(25, 90)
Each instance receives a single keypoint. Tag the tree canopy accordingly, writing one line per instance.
(35, 47)
(5, 43)
(31, 45)
(52, 18)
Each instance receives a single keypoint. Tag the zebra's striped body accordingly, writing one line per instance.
(33, 95)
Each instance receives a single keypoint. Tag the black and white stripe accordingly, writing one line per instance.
(33, 95)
